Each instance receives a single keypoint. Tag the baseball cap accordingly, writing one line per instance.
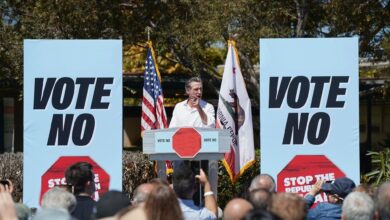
(341, 186)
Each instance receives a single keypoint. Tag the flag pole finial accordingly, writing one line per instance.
(148, 30)
(232, 31)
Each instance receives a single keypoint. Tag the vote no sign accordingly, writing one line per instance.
(72, 112)
(309, 111)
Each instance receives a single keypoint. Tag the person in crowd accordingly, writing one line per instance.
(133, 212)
(236, 209)
(260, 214)
(7, 206)
(336, 192)
(382, 201)
(358, 206)
(22, 211)
(59, 198)
(111, 203)
(141, 193)
(50, 214)
(263, 181)
(81, 179)
(260, 198)
(366, 188)
(288, 206)
(162, 203)
(184, 186)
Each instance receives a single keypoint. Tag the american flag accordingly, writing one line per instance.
(153, 111)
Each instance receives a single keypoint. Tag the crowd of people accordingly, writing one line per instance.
(159, 199)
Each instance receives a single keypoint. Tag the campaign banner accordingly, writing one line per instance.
(72, 113)
(309, 111)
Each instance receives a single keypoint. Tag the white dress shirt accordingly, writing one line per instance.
(185, 116)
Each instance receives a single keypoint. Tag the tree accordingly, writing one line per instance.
(185, 32)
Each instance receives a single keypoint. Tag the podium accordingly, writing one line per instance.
(187, 143)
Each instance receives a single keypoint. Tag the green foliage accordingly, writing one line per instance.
(386, 46)
(227, 190)
(380, 161)
(137, 169)
(11, 167)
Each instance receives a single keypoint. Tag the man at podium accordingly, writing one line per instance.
(193, 112)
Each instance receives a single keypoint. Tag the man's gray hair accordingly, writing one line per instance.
(382, 200)
(141, 193)
(139, 197)
(258, 183)
(58, 198)
(191, 80)
(358, 206)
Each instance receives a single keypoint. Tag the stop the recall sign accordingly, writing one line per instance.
(55, 175)
(186, 142)
(304, 170)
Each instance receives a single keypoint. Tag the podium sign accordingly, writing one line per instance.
(186, 143)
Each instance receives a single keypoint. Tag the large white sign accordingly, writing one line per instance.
(72, 112)
(309, 110)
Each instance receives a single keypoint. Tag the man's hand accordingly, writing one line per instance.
(316, 188)
(7, 187)
(7, 206)
(194, 102)
(202, 178)
(210, 202)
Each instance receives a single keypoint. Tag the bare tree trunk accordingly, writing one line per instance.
(302, 14)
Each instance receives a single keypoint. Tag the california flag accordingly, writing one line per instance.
(234, 114)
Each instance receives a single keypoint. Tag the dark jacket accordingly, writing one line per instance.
(323, 210)
(85, 207)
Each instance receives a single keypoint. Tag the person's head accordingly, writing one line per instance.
(111, 203)
(184, 182)
(237, 209)
(22, 211)
(59, 198)
(162, 203)
(260, 214)
(338, 189)
(81, 178)
(132, 212)
(365, 188)
(382, 201)
(260, 198)
(194, 88)
(288, 206)
(263, 181)
(358, 206)
(49, 214)
(157, 181)
(141, 193)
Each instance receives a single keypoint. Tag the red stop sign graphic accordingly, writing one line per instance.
(304, 170)
(186, 142)
(55, 175)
